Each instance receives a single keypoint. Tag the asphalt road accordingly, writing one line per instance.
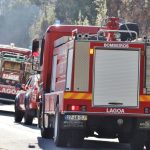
(14, 136)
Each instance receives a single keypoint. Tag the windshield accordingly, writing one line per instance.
(9, 65)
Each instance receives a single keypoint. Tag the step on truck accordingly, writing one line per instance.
(96, 82)
(15, 68)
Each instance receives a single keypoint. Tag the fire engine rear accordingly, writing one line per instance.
(96, 83)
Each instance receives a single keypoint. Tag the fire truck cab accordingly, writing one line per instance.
(15, 68)
(96, 82)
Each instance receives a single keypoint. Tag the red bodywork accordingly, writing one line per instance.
(55, 32)
(65, 101)
(13, 78)
(30, 93)
(95, 81)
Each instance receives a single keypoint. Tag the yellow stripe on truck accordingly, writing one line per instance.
(145, 98)
(71, 95)
(88, 96)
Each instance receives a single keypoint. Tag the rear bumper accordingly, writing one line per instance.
(96, 122)
(136, 115)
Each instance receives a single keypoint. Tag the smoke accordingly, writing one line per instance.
(15, 24)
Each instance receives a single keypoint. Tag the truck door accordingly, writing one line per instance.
(69, 69)
(53, 79)
(116, 78)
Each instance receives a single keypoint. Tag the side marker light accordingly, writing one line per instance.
(91, 51)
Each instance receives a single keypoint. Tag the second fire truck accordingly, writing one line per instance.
(96, 82)
(15, 68)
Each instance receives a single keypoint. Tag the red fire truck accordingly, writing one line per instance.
(96, 82)
(15, 68)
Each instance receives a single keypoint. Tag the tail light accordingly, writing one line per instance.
(76, 108)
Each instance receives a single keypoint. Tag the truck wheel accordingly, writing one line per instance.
(137, 140)
(18, 114)
(62, 137)
(59, 135)
(46, 132)
(28, 117)
(39, 118)
(39, 114)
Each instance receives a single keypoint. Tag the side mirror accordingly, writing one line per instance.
(35, 48)
(35, 55)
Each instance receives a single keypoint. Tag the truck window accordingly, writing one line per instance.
(69, 69)
(12, 66)
(53, 79)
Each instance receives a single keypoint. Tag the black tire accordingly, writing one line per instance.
(138, 140)
(18, 114)
(29, 113)
(46, 132)
(28, 117)
(39, 114)
(66, 137)
(59, 135)
(39, 118)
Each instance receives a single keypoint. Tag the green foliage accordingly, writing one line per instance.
(16, 22)
(41, 3)
(29, 19)
(81, 21)
(45, 18)
(68, 11)
(101, 10)
(23, 20)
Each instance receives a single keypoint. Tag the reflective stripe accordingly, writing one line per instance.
(71, 95)
(144, 98)
(88, 96)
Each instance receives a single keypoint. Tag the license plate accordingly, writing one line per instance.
(144, 124)
(76, 117)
